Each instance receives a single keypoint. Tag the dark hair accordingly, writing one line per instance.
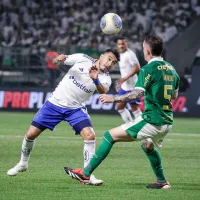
(121, 38)
(155, 43)
(115, 52)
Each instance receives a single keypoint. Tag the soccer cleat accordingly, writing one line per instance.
(78, 175)
(18, 168)
(156, 185)
(94, 181)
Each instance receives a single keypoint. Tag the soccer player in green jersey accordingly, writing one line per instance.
(159, 83)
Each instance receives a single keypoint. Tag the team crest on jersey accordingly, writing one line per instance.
(81, 69)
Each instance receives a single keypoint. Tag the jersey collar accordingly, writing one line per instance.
(159, 58)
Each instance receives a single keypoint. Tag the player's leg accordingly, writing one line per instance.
(88, 135)
(135, 107)
(156, 164)
(110, 137)
(122, 110)
(119, 134)
(46, 117)
(27, 146)
(157, 137)
(82, 125)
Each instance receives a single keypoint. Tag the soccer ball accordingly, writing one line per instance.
(111, 23)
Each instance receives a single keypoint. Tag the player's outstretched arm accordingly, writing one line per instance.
(59, 59)
(133, 95)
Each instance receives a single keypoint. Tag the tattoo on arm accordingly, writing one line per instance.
(133, 95)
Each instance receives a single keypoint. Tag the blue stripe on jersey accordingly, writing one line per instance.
(90, 58)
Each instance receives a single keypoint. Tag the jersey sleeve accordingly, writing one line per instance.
(71, 59)
(144, 79)
(133, 59)
(177, 83)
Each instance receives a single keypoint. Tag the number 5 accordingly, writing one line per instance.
(166, 95)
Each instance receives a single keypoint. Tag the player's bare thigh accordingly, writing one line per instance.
(88, 133)
(119, 135)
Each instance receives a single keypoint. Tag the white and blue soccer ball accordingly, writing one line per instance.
(111, 23)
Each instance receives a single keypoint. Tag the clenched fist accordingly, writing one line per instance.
(59, 59)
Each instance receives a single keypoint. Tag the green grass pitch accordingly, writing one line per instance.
(125, 172)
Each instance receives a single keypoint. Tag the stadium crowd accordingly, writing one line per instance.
(42, 24)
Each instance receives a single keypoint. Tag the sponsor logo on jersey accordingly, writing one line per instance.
(80, 85)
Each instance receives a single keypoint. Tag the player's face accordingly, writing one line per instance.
(146, 51)
(122, 45)
(107, 61)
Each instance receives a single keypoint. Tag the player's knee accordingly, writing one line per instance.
(120, 106)
(33, 133)
(107, 136)
(89, 135)
(147, 146)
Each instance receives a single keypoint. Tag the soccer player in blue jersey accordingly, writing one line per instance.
(67, 103)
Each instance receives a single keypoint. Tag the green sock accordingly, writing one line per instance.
(156, 164)
(100, 154)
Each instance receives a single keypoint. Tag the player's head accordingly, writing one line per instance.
(108, 59)
(152, 47)
(122, 44)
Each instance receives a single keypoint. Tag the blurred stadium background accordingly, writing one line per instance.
(31, 32)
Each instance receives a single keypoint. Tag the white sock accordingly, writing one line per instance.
(88, 151)
(27, 146)
(137, 113)
(125, 115)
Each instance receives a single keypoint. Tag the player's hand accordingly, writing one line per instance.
(59, 59)
(117, 86)
(104, 98)
(93, 73)
(120, 81)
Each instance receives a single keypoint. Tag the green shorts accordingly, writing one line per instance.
(139, 130)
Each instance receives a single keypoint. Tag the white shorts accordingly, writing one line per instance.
(139, 129)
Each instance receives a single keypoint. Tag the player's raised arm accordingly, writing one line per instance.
(93, 73)
(135, 70)
(59, 59)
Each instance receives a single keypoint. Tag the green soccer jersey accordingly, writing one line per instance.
(160, 81)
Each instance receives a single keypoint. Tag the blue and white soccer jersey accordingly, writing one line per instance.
(126, 63)
(67, 102)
